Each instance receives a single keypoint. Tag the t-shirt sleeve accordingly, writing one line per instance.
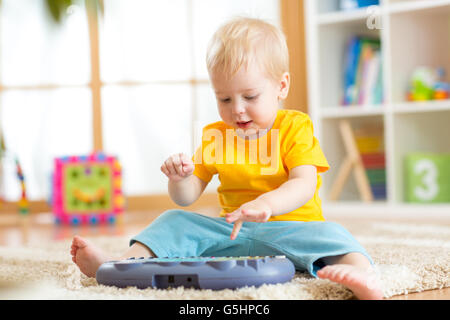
(301, 147)
(200, 169)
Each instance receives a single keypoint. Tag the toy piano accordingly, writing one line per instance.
(196, 272)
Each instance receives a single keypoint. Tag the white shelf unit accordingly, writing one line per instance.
(412, 33)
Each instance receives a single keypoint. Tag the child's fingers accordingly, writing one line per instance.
(165, 170)
(254, 215)
(188, 165)
(185, 159)
(173, 165)
(233, 216)
(236, 228)
(169, 167)
(177, 166)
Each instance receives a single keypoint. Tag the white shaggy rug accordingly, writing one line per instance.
(409, 257)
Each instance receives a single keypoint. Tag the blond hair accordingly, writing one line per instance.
(240, 40)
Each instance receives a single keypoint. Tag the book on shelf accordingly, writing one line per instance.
(355, 4)
(371, 148)
(363, 72)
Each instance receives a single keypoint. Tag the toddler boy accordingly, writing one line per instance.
(269, 164)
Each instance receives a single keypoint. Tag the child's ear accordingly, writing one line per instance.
(284, 86)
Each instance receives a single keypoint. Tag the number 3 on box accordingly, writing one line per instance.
(430, 188)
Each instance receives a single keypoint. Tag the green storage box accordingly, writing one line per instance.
(427, 177)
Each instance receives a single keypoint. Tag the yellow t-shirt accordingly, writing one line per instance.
(249, 168)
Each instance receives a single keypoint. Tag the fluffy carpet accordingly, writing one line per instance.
(409, 258)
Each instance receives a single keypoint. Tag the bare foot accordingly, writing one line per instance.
(86, 256)
(362, 283)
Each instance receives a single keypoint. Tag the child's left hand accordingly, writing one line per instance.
(254, 211)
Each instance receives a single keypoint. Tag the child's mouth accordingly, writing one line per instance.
(244, 124)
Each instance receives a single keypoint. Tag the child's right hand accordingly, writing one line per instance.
(178, 167)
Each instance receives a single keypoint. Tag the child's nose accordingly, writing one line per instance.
(238, 107)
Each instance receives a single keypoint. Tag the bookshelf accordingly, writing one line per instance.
(412, 33)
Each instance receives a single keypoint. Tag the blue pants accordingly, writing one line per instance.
(179, 233)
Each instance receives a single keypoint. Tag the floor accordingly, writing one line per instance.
(40, 227)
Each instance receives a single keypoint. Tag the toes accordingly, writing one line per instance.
(363, 285)
(336, 273)
(326, 272)
(323, 273)
(339, 275)
(79, 242)
(345, 273)
(346, 277)
(329, 272)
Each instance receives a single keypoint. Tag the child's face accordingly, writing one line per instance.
(250, 99)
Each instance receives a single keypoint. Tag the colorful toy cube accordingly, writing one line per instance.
(427, 178)
(87, 189)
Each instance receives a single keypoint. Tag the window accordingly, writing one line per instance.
(45, 101)
(154, 88)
